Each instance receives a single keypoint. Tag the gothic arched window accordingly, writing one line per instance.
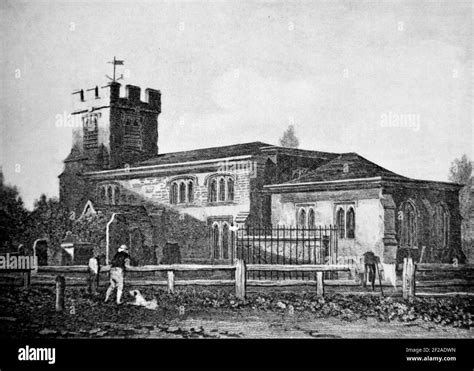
(350, 223)
(340, 222)
(230, 189)
(110, 194)
(174, 193)
(182, 193)
(190, 191)
(222, 189)
(213, 191)
(117, 196)
(408, 225)
(311, 218)
(225, 241)
(441, 226)
(302, 218)
(102, 194)
(215, 241)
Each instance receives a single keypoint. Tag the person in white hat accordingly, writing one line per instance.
(118, 265)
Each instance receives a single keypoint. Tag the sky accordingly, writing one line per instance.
(390, 80)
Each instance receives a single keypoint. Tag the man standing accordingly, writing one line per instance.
(94, 271)
(119, 263)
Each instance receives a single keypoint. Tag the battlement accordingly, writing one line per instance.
(97, 97)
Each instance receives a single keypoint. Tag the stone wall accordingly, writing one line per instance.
(189, 233)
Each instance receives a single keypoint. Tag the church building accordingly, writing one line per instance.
(196, 198)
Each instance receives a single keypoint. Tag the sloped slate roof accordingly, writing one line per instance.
(205, 154)
(357, 168)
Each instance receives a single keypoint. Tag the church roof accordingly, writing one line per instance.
(347, 166)
(243, 149)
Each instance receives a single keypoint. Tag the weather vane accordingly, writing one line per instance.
(115, 62)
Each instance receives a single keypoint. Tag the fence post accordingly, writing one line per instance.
(408, 278)
(60, 288)
(319, 284)
(240, 278)
(404, 279)
(171, 282)
(27, 279)
(411, 278)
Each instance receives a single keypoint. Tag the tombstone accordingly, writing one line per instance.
(82, 253)
(171, 254)
(42, 252)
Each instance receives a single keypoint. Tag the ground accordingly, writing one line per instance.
(216, 313)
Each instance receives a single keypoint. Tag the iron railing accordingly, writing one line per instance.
(286, 245)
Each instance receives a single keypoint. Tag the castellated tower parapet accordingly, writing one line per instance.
(97, 97)
(114, 129)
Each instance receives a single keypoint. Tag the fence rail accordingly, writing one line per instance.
(409, 282)
(240, 280)
(243, 276)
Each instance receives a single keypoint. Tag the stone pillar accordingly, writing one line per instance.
(389, 241)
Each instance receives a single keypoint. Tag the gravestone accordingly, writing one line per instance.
(171, 254)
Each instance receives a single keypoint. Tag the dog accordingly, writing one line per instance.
(142, 302)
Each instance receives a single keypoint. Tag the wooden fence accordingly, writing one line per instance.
(410, 283)
(240, 269)
(412, 276)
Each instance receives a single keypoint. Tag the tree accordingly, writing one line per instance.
(12, 215)
(460, 170)
(289, 138)
(91, 228)
(49, 220)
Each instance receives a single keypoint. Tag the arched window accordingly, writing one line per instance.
(441, 226)
(109, 194)
(302, 218)
(213, 191)
(222, 189)
(350, 223)
(311, 218)
(230, 189)
(174, 193)
(190, 191)
(182, 193)
(340, 222)
(408, 225)
(215, 241)
(102, 194)
(225, 241)
(117, 196)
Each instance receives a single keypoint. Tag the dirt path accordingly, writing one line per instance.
(265, 325)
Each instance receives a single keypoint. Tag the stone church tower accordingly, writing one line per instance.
(114, 131)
